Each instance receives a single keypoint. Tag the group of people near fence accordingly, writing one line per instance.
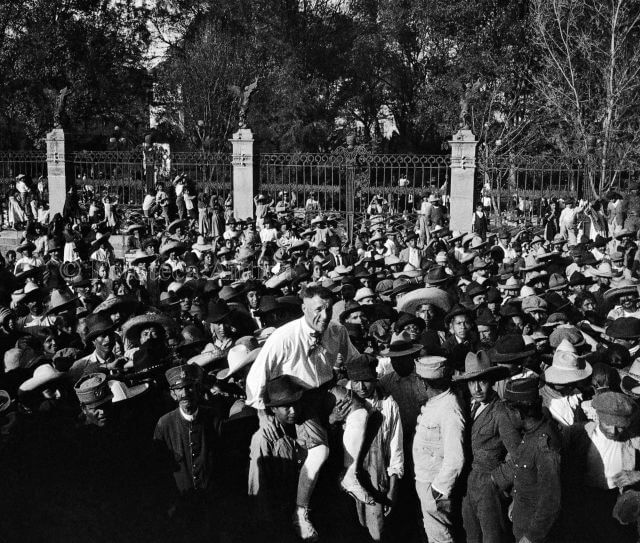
(286, 380)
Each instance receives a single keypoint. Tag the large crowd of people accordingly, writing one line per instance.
(278, 378)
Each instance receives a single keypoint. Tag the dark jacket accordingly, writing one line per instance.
(493, 435)
(189, 447)
(535, 474)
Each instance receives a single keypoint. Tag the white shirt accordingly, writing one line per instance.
(188, 418)
(268, 234)
(612, 456)
(290, 351)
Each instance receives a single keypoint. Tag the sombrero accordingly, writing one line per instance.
(131, 329)
(175, 224)
(411, 301)
(128, 304)
(173, 246)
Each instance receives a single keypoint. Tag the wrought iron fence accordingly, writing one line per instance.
(347, 180)
(211, 172)
(130, 173)
(528, 183)
(31, 163)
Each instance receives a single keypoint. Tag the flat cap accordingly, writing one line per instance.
(432, 367)
(533, 303)
(614, 408)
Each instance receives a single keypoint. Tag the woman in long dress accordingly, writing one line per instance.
(217, 217)
(16, 216)
(203, 213)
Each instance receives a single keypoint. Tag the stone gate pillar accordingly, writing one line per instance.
(59, 168)
(243, 181)
(463, 169)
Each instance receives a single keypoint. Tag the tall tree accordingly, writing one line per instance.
(589, 83)
(96, 48)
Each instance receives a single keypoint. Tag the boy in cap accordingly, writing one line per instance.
(382, 454)
(603, 462)
(534, 472)
(275, 460)
(188, 437)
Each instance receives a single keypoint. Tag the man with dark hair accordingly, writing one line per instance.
(534, 472)
(275, 460)
(311, 348)
(493, 435)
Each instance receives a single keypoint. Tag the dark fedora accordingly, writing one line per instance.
(283, 390)
(151, 353)
(510, 348)
(577, 278)
(475, 290)
(99, 324)
(268, 303)
(454, 312)
(624, 328)
(192, 338)
(405, 319)
(525, 390)
(362, 368)
(404, 285)
(217, 312)
(349, 308)
(478, 366)
(436, 276)
(400, 347)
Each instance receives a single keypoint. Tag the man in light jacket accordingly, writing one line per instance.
(438, 452)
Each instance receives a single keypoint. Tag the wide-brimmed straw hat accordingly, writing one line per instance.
(113, 303)
(60, 301)
(630, 379)
(201, 246)
(567, 366)
(140, 257)
(478, 366)
(173, 246)
(45, 374)
(238, 357)
(622, 288)
(133, 227)
(132, 328)
(429, 295)
(121, 392)
(175, 224)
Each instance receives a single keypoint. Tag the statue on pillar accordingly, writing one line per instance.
(469, 93)
(244, 96)
(60, 117)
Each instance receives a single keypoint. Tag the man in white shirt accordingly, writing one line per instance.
(309, 349)
(411, 254)
(603, 463)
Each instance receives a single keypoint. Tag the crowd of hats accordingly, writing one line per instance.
(209, 328)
